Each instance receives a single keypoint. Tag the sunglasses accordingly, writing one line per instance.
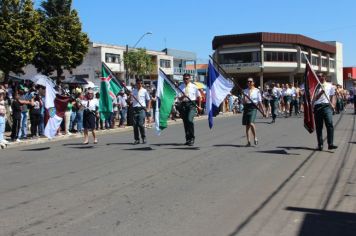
(249, 81)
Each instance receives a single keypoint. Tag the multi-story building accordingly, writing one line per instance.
(113, 56)
(349, 77)
(181, 61)
(276, 57)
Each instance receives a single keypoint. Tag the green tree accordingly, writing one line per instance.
(138, 62)
(19, 31)
(62, 43)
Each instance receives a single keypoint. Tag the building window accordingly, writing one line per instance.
(324, 62)
(112, 58)
(165, 63)
(315, 61)
(242, 57)
(332, 64)
(280, 56)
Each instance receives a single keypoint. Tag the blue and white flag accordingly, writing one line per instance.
(217, 90)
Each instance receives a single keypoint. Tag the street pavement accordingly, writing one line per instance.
(218, 187)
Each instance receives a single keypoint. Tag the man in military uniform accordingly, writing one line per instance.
(139, 111)
(323, 112)
(190, 99)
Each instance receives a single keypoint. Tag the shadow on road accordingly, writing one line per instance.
(139, 149)
(186, 148)
(35, 149)
(72, 144)
(108, 144)
(83, 147)
(321, 222)
(353, 142)
(229, 145)
(297, 148)
(168, 144)
(281, 152)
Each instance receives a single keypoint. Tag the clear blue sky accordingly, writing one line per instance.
(192, 24)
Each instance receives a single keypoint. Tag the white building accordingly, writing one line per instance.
(276, 57)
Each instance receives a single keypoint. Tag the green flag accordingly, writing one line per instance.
(165, 94)
(109, 88)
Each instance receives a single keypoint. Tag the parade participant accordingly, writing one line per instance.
(250, 110)
(275, 95)
(189, 99)
(90, 113)
(323, 112)
(287, 98)
(266, 98)
(140, 102)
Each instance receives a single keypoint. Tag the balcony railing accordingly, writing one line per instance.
(181, 71)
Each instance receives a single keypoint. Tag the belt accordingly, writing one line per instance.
(321, 104)
(138, 108)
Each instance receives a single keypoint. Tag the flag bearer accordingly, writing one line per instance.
(188, 107)
(90, 114)
(140, 105)
(250, 110)
(323, 112)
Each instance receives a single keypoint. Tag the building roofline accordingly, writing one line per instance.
(265, 37)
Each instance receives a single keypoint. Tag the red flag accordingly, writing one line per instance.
(311, 85)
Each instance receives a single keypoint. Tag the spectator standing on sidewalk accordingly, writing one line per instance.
(35, 114)
(16, 116)
(122, 104)
(2, 117)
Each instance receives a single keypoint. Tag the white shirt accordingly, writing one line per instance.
(255, 95)
(276, 93)
(329, 91)
(122, 101)
(142, 96)
(92, 105)
(193, 92)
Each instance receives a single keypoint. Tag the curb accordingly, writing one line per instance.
(100, 132)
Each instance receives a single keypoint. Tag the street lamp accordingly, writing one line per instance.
(127, 51)
(147, 33)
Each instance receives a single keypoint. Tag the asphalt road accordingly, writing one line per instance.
(218, 187)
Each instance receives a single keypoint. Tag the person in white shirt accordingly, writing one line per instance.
(90, 113)
(122, 105)
(250, 109)
(188, 107)
(323, 112)
(141, 102)
(275, 95)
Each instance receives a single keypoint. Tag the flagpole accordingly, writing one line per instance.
(235, 83)
(124, 86)
(177, 87)
(317, 78)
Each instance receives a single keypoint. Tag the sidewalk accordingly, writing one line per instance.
(99, 132)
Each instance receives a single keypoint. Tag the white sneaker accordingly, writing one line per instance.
(68, 133)
(5, 141)
(18, 140)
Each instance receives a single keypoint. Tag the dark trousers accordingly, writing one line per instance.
(355, 104)
(15, 128)
(188, 112)
(35, 122)
(324, 114)
(295, 104)
(274, 108)
(139, 116)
